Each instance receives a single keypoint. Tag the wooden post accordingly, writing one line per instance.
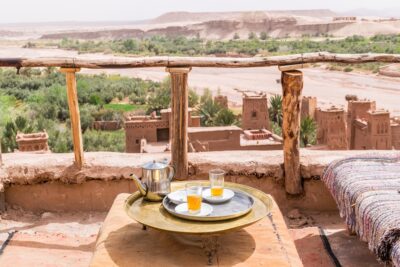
(72, 94)
(292, 85)
(179, 121)
(1, 157)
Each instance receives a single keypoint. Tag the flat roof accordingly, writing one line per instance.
(168, 110)
(378, 111)
(268, 141)
(213, 129)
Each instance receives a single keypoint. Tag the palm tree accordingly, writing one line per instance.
(225, 117)
(208, 111)
(275, 109)
(308, 130)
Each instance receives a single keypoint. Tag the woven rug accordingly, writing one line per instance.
(367, 191)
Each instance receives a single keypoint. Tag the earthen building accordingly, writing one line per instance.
(308, 107)
(331, 128)
(255, 112)
(32, 142)
(151, 128)
(374, 132)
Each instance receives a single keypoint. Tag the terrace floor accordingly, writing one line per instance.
(68, 239)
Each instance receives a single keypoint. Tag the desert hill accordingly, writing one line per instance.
(221, 25)
(208, 16)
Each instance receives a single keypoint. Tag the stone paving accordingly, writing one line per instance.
(48, 239)
(349, 250)
(51, 239)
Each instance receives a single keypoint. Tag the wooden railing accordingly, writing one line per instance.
(219, 62)
(179, 68)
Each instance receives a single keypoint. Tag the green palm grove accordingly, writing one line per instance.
(308, 127)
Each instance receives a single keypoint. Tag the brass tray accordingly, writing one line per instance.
(239, 205)
(153, 214)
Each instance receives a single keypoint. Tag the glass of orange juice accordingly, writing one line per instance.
(194, 197)
(217, 182)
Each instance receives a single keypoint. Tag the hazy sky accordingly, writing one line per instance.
(102, 10)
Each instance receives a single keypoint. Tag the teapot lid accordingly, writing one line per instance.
(153, 165)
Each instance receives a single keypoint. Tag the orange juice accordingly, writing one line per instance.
(217, 191)
(194, 202)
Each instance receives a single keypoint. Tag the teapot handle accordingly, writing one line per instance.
(171, 172)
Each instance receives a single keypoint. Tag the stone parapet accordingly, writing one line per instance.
(26, 168)
(51, 182)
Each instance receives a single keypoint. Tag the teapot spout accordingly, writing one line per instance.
(142, 187)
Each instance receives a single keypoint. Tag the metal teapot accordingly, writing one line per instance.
(155, 182)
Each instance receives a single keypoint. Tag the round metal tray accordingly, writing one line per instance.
(239, 205)
(154, 215)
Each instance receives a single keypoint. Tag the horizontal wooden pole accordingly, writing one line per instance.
(216, 62)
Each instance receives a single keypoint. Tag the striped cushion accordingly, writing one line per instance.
(366, 190)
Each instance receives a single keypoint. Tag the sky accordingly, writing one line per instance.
(130, 10)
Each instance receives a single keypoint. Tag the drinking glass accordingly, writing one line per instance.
(217, 182)
(194, 197)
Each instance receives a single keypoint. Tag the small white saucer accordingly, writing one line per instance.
(205, 210)
(226, 195)
(178, 197)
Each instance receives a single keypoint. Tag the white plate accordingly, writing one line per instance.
(205, 210)
(178, 197)
(226, 195)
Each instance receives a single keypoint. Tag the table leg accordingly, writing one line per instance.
(210, 246)
(144, 227)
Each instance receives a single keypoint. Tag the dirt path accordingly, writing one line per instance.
(329, 87)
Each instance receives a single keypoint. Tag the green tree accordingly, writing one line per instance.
(208, 111)
(130, 45)
(161, 98)
(276, 129)
(212, 114)
(252, 36)
(207, 96)
(225, 117)
(104, 140)
(263, 36)
(86, 116)
(308, 129)
(193, 98)
(60, 141)
(275, 109)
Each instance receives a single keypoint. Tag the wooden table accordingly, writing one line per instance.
(123, 242)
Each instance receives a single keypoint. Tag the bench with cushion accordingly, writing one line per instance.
(367, 191)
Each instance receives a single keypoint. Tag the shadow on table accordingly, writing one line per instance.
(132, 246)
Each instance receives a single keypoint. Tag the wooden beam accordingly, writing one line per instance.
(73, 104)
(293, 67)
(292, 85)
(217, 62)
(179, 121)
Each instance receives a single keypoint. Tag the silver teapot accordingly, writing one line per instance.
(155, 182)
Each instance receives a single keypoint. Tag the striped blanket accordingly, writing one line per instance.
(367, 191)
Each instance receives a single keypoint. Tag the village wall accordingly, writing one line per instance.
(395, 129)
(217, 138)
(107, 125)
(308, 107)
(379, 130)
